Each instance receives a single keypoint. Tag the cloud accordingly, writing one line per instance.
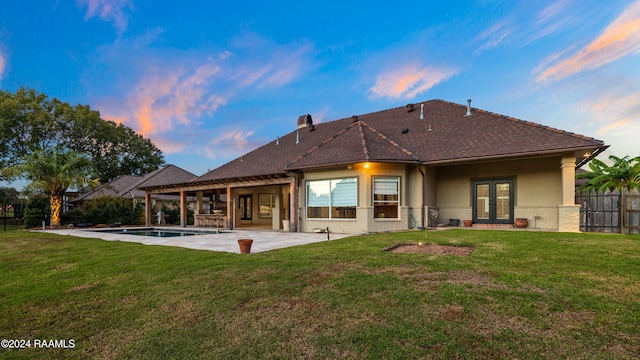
(169, 93)
(408, 81)
(228, 144)
(109, 11)
(620, 38)
(261, 63)
(494, 36)
(165, 98)
(2, 65)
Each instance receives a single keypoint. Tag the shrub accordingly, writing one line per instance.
(38, 209)
(110, 210)
(172, 214)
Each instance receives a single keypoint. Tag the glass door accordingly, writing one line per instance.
(245, 207)
(493, 201)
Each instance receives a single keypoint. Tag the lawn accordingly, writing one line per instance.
(518, 295)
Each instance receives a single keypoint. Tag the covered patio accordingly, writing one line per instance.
(256, 202)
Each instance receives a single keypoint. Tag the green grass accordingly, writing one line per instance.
(519, 295)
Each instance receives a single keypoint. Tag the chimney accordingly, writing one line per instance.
(305, 121)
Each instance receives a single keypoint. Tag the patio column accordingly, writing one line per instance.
(293, 204)
(147, 209)
(198, 203)
(276, 211)
(230, 209)
(183, 208)
(568, 211)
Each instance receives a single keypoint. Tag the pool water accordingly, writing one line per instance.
(155, 232)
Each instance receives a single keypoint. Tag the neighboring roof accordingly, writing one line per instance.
(444, 136)
(129, 186)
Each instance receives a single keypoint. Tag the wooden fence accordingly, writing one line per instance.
(610, 212)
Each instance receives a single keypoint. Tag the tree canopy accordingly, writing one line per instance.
(32, 122)
(623, 173)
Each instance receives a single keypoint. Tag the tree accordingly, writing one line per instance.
(8, 197)
(53, 172)
(30, 122)
(624, 173)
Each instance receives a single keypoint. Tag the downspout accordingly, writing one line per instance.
(424, 195)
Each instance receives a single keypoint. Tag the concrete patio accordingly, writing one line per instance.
(226, 240)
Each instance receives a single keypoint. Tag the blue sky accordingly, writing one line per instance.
(207, 81)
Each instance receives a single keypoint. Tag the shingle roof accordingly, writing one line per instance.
(445, 135)
(127, 186)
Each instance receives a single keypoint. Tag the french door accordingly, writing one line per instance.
(245, 207)
(493, 201)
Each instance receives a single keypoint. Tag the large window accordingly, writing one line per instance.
(332, 199)
(386, 197)
(266, 202)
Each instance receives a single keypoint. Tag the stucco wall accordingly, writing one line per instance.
(537, 193)
(537, 182)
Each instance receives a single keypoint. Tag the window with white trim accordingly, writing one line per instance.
(332, 199)
(386, 197)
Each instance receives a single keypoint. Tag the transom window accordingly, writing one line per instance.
(386, 197)
(332, 199)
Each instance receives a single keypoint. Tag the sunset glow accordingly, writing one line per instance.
(209, 83)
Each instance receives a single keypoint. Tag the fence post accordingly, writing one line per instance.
(623, 210)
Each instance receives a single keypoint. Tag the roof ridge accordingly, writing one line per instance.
(314, 148)
(391, 141)
(365, 146)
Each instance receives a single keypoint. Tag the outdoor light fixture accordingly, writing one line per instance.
(366, 165)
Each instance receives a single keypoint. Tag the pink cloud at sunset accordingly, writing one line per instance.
(162, 100)
(620, 38)
(409, 81)
(108, 10)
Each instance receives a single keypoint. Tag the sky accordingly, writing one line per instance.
(208, 81)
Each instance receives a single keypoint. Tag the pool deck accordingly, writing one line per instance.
(227, 240)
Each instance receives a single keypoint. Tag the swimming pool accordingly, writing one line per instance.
(158, 232)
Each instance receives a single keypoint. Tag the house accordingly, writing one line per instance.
(398, 169)
(128, 187)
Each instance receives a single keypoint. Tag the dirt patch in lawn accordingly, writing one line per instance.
(431, 249)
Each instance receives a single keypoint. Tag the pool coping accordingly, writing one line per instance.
(225, 241)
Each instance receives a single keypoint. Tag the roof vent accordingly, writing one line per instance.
(405, 130)
(468, 108)
(421, 111)
(354, 118)
(304, 121)
(297, 137)
(410, 108)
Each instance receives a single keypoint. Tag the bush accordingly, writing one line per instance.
(38, 209)
(107, 210)
(172, 214)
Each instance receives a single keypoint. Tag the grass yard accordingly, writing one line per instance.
(518, 295)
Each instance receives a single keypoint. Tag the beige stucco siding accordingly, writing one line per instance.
(537, 182)
(538, 193)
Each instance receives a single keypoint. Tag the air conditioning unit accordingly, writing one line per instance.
(433, 214)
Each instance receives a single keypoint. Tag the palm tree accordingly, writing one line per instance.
(622, 174)
(53, 172)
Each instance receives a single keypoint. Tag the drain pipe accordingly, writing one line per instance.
(424, 195)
